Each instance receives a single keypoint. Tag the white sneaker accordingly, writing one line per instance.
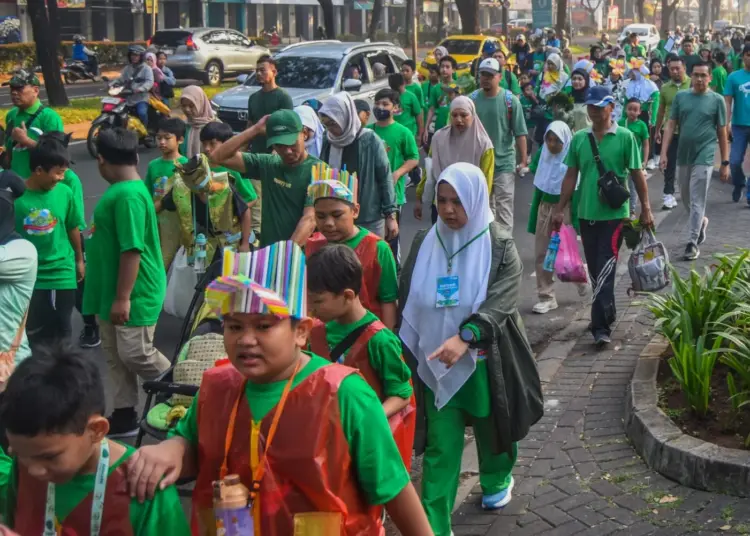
(673, 199)
(669, 202)
(657, 160)
(545, 306)
(651, 165)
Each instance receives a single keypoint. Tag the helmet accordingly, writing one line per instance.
(137, 49)
(78, 39)
(489, 48)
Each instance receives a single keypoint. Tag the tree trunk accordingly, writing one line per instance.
(377, 11)
(668, 8)
(562, 16)
(195, 14)
(328, 20)
(44, 25)
(441, 20)
(468, 10)
(715, 11)
(408, 32)
(639, 10)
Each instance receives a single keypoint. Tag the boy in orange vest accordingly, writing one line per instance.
(335, 211)
(347, 333)
(308, 437)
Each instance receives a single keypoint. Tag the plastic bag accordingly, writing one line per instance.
(181, 285)
(569, 267)
(648, 265)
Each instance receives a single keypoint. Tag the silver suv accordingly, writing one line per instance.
(316, 70)
(207, 54)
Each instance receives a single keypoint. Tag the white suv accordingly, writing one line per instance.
(648, 35)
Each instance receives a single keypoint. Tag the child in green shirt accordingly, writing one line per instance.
(719, 74)
(53, 411)
(439, 99)
(409, 112)
(213, 136)
(49, 216)
(529, 103)
(639, 129)
(408, 69)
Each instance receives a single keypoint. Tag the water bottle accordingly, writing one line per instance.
(549, 258)
(199, 263)
(231, 507)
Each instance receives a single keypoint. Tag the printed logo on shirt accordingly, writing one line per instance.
(745, 89)
(39, 222)
(282, 183)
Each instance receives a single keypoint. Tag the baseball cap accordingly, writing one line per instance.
(520, 37)
(23, 78)
(599, 96)
(489, 65)
(283, 128)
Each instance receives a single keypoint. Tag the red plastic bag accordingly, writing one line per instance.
(569, 267)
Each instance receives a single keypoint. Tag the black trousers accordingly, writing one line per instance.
(50, 314)
(601, 245)
(671, 172)
(88, 320)
(395, 243)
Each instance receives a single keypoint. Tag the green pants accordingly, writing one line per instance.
(442, 461)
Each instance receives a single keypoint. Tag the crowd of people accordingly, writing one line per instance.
(297, 219)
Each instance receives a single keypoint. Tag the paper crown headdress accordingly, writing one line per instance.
(617, 66)
(272, 280)
(328, 182)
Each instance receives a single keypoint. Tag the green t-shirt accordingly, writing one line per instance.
(377, 463)
(284, 193)
(262, 103)
(493, 112)
(667, 94)
(71, 180)
(515, 87)
(411, 107)
(440, 101)
(719, 79)
(46, 121)
(400, 146)
(699, 115)
(620, 153)
(383, 352)
(416, 89)
(125, 220)
(44, 219)
(158, 172)
(527, 105)
(243, 186)
(634, 51)
(161, 515)
(637, 127)
(388, 286)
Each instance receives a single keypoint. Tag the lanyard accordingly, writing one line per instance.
(449, 256)
(261, 467)
(97, 504)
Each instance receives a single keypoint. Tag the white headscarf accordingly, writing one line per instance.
(553, 80)
(310, 120)
(425, 327)
(640, 87)
(443, 52)
(551, 170)
(341, 109)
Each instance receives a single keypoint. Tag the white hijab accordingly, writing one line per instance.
(641, 87)
(551, 170)
(341, 109)
(425, 327)
(310, 120)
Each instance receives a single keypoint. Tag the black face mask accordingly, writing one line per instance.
(381, 114)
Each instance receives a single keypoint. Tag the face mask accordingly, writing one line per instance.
(381, 114)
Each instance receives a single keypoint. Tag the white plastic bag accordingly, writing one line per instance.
(181, 286)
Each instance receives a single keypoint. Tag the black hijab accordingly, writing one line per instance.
(579, 95)
(11, 188)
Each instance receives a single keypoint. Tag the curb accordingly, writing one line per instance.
(662, 445)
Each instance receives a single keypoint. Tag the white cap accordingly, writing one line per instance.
(489, 65)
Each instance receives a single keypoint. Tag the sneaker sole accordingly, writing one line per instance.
(545, 311)
(601, 344)
(692, 257)
(505, 500)
(90, 344)
(130, 433)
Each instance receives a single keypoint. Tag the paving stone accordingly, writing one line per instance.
(604, 488)
(608, 527)
(570, 418)
(527, 486)
(574, 501)
(621, 515)
(470, 530)
(548, 498)
(587, 469)
(642, 528)
(533, 529)
(574, 527)
(540, 468)
(503, 526)
(631, 502)
(527, 519)
(625, 451)
(587, 516)
(553, 515)
(569, 484)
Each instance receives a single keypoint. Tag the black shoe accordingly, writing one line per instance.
(702, 232)
(691, 252)
(601, 340)
(89, 337)
(123, 423)
(736, 193)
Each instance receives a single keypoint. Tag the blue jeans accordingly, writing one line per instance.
(740, 139)
(141, 110)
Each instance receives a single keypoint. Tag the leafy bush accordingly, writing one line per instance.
(23, 55)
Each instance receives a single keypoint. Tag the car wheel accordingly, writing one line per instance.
(213, 72)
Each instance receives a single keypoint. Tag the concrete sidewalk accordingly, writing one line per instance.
(576, 472)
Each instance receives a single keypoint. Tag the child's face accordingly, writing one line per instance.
(364, 118)
(407, 72)
(208, 147)
(524, 79)
(434, 76)
(167, 142)
(161, 60)
(554, 145)
(528, 91)
(335, 218)
(656, 69)
(452, 95)
(328, 306)
(385, 104)
(49, 179)
(446, 70)
(264, 347)
(57, 458)
(633, 110)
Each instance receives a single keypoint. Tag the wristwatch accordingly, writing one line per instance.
(725, 163)
(467, 335)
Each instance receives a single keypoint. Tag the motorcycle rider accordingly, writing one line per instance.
(84, 54)
(138, 77)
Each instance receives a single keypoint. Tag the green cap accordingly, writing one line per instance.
(283, 128)
(23, 78)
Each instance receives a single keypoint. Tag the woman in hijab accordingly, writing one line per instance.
(578, 88)
(463, 140)
(642, 88)
(198, 111)
(554, 78)
(150, 59)
(439, 52)
(312, 128)
(464, 339)
(348, 145)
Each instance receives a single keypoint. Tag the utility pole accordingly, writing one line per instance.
(415, 24)
(506, 5)
(153, 16)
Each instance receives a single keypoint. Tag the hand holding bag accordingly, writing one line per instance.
(611, 190)
(569, 266)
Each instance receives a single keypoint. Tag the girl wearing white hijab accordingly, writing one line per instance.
(459, 291)
(314, 130)
(554, 78)
(348, 144)
(645, 90)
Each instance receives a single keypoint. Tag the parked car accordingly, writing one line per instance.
(648, 35)
(464, 49)
(208, 54)
(315, 70)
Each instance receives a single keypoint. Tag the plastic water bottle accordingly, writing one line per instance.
(231, 507)
(549, 258)
(199, 265)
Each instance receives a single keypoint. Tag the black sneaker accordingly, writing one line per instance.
(736, 194)
(702, 232)
(601, 340)
(691, 252)
(89, 337)
(123, 423)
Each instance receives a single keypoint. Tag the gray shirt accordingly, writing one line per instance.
(139, 78)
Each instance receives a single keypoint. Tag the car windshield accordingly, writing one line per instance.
(466, 47)
(637, 31)
(170, 38)
(304, 72)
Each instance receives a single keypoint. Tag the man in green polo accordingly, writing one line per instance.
(28, 120)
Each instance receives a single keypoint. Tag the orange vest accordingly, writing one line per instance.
(367, 252)
(31, 502)
(308, 468)
(403, 424)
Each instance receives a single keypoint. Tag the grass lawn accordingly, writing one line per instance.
(578, 50)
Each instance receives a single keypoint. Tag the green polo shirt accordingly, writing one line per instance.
(667, 95)
(47, 121)
(620, 154)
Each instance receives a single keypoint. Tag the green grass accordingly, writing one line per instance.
(578, 50)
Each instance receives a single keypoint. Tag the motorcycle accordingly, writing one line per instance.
(74, 70)
(117, 113)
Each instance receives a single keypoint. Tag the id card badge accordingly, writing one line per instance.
(447, 291)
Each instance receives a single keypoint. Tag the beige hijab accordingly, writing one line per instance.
(204, 114)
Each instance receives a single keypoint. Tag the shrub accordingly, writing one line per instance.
(23, 55)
